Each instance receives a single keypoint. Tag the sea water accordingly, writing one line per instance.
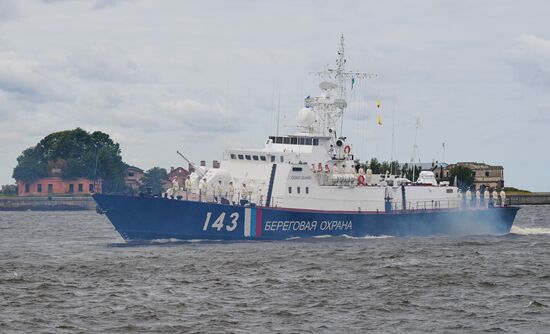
(67, 272)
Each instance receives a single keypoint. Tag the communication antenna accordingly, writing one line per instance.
(392, 137)
(415, 147)
(338, 77)
(278, 113)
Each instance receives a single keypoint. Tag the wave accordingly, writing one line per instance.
(367, 237)
(529, 230)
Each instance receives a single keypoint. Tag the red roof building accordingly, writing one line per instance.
(180, 174)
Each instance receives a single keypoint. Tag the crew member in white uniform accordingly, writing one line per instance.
(204, 190)
(219, 191)
(486, 198)
(175, 187)
(188, 187)
(502, 198)
(231, 192)
(244, 192)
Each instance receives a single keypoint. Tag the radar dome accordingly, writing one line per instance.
(305, 117)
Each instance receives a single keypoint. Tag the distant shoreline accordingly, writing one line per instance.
(52, 203)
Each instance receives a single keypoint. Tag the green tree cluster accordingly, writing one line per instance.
(153, 180)
(76, 153)
(465, 177)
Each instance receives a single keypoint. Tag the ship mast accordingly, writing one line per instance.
(329, 107)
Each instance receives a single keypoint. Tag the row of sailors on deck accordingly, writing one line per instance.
(485, 199)
(218, 193)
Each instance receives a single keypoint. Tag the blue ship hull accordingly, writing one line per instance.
(146, 218)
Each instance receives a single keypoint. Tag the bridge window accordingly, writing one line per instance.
(282, 158)
(307, 190)
(316, 141)
(308, 141)
(290, 190)
(301, 141)
(262, 157)
(286, 140)
(279, 140)
(272, 158)
(293, 141)
(241, 157)
(233, 156)
(255, 157)
(247, 157)
(298, 190)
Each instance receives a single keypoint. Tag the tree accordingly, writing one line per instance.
(409, 173)
(76, 153)
(9, 189)
(375, 166)
(154, 179)
(465, 177)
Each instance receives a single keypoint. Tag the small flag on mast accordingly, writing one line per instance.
(379, 117)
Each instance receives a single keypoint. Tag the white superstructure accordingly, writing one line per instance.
(314, 169)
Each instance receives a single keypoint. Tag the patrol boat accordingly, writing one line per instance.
(305, 184)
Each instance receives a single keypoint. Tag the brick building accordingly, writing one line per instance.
(133, 178)
(485, 175)
(55, 185)
(180, 174)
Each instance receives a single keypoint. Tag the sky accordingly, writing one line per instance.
(205, 76)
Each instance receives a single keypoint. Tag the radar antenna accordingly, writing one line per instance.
(330, 108)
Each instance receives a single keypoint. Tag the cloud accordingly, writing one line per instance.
(24, 79)
(8, 10)
(21, 76)
(530, 58)
(104, 64)
(200, 117)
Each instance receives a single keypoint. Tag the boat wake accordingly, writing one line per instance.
(529, 230)
(367, 237)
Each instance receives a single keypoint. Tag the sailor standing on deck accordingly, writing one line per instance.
(188, 187)
(244, 194)
(204, 190)
(175, 187)
(231, 192)
(219, 191)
